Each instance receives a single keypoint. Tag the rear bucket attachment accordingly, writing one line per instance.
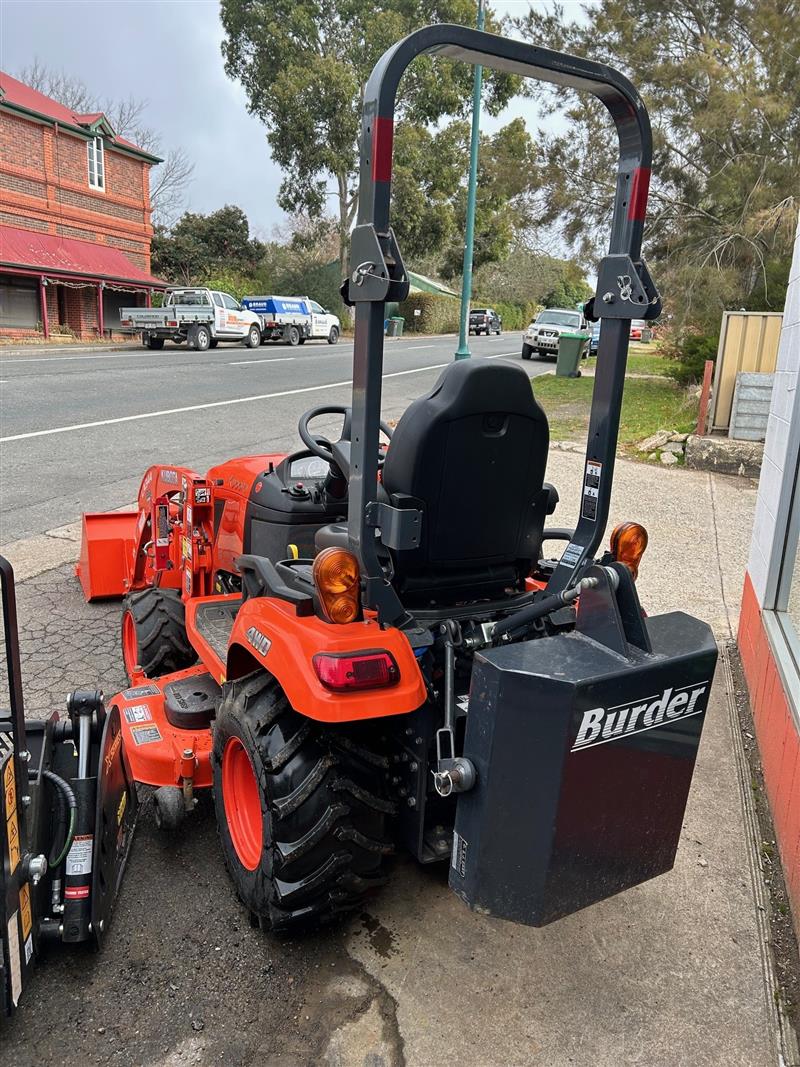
(107, 547)
(584, 756)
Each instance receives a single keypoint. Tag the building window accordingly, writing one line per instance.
(788, 598)
(97, 166)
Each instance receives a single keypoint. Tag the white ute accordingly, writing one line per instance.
(541, 337)
(201, 317)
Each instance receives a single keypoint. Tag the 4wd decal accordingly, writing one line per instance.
(600, 725)
(260, 642)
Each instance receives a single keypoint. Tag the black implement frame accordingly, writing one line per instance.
(625, 290)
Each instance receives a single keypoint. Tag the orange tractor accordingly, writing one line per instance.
(360, 647)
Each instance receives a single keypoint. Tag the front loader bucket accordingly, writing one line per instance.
(107, 547)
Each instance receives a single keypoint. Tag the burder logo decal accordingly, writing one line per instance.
(600, 725)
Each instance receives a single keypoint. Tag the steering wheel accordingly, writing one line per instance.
(321, 446)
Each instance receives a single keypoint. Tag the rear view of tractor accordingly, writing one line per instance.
(359, 648)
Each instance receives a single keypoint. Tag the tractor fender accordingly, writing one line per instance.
(269, 633)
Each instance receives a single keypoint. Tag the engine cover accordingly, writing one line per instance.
(584, 759)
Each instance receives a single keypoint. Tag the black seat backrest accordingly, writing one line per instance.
(473, 451)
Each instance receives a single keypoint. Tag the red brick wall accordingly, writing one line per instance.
(778, 739)
(44, 186)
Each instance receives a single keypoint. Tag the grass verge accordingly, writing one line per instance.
(648, 404)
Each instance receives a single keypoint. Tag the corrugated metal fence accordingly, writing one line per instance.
(748, 341)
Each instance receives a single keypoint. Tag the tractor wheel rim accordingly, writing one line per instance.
(130, 643)
(241, 799)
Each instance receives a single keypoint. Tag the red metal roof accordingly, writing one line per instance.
(17, 94)
(64, 255)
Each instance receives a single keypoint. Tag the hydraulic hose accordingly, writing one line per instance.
(72, 804)
(539, 608)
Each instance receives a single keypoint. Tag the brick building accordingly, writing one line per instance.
(75, 225)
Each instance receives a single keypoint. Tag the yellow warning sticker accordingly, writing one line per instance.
(12, 827)
(9, 787)
(25, 910)
(121, 809)
(12, 833)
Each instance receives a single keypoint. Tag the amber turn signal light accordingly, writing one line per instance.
(628, 542)
(337, 580)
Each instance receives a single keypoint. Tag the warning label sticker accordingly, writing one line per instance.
(138, 713)
(79, 857)
(76, 892)
(146, 735)
(25, 909)
(14, 958)
(140, 691)
(28, 949)
(12, 827)
(591, 489)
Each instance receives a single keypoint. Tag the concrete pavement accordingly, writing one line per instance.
(669, 973)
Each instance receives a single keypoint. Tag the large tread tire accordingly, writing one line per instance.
(324, 811)
(158, 619)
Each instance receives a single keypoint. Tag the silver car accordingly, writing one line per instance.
(542, 336)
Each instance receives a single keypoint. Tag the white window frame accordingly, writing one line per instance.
(95, 151)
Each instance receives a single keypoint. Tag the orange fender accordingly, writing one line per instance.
(269, 633)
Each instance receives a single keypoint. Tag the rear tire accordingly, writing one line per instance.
(200, 338)
(333, 336)
(154, 633)
(301, 808)
(293, 336)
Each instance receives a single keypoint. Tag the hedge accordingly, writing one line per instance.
(437, 314)
(440, 314)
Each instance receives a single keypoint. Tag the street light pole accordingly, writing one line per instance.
(463, 352)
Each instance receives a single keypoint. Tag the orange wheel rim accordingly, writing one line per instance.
(130, 643)
(241, 800)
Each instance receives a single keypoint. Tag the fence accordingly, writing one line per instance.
(748, 341)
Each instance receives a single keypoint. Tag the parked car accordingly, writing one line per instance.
(594, 340)
(202, 317)
(641, 331)
(485, 320)
(542, 336)
(293, 319)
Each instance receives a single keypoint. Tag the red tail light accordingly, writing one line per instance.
(344, 672)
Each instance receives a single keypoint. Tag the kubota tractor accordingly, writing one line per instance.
(359, 647)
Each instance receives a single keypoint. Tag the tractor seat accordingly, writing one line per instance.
(472, 453)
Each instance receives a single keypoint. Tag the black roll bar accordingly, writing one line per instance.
(625, 290)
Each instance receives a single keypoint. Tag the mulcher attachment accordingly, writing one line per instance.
(584, 746)
(67, 815)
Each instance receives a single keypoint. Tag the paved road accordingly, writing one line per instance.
(78, 427)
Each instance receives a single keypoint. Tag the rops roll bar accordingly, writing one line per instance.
(625, 290)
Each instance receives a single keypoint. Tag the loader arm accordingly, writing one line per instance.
(377, 274)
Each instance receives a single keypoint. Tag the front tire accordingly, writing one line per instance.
(527, 351)
(253, 337)
(301, 808)
(333, 336)
(154, 633)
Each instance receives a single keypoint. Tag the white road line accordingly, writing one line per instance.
(204, 407)
(64, 359)
(418, 348)
(246, 362)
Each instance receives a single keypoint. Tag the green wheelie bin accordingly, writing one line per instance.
(570, 346)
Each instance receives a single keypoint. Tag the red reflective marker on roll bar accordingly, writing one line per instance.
(640, 187)
(382, 139)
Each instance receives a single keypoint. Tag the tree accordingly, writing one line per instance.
(199, 245)
(303, 66)
(720, 82)
(168, 180)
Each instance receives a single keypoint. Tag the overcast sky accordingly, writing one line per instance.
(168, 52)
